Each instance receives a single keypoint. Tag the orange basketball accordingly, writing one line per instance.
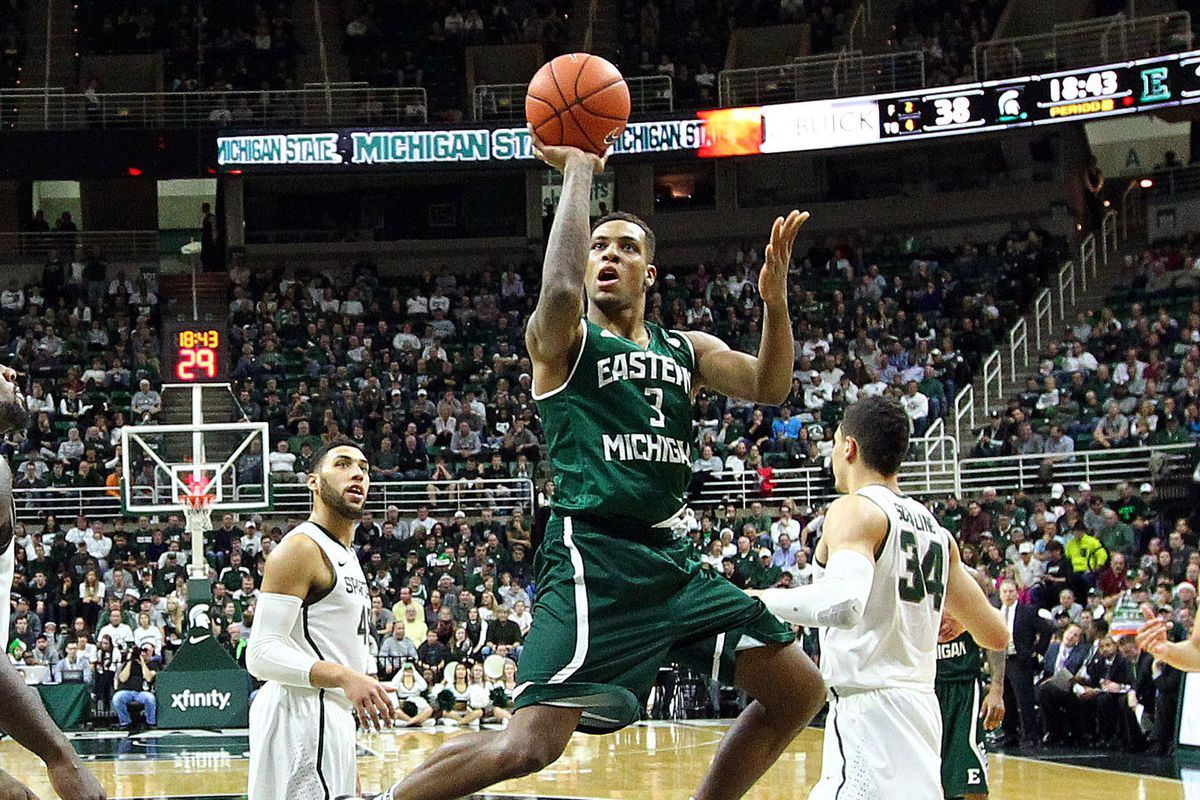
(579, 100)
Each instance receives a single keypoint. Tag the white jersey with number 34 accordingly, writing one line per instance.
(895, 643)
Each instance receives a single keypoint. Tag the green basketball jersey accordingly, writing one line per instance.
(960, 659)
(619, 430)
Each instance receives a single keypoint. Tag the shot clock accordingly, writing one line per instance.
(195, 352)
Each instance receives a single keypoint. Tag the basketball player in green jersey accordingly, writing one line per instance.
(619, 592)
(959, 666)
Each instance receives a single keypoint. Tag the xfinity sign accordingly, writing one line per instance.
(187, 699)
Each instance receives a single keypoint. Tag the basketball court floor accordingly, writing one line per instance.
(649, 761)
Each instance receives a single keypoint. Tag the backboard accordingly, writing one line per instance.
(161, 465)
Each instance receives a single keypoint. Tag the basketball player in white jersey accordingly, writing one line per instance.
(309, 642)
(889, 571)
(25, 718)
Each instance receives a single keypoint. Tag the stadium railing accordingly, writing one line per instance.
(51, 109)
(933, 469)
(115, 246)
(841, 74)
(1082, 44)
(505, 102)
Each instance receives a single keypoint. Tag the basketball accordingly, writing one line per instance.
(579, 100)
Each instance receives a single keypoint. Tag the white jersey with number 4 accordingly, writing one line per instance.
(302, 741)
(895, 643)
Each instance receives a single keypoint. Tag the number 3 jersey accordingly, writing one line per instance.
(619, 431)
(895, 643)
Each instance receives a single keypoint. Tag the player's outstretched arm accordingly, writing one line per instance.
(553, 328)
(1185, 655)
(967, 603)
(26, 721)
(293, 572)
(854, 527)
(767, 377)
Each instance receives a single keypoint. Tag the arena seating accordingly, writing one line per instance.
(12, 42)
(947, 30)
(245, 46)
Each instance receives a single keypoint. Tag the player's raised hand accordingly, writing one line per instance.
(772, 281)
(1152, 637)
(558, 156)
(370, 700)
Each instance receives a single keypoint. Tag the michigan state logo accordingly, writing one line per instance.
(199, 624)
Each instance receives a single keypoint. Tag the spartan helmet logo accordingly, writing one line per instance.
(199, 623)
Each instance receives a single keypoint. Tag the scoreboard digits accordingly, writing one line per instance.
(1041, 99)
(195, 352)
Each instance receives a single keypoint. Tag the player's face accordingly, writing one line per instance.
(342, 481)
(618, 273)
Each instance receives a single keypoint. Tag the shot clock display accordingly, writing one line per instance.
(195, 352)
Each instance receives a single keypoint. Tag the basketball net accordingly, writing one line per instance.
(197, 506)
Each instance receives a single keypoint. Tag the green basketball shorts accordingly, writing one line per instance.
(964, 764)
(613, 605)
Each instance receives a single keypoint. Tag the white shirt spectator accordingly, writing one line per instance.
(76, 535)
(99, 548)
(523, 620)
(406, 341)
(120, 634)
(152, 635)
(282, 462)
(791, 527)
(418, 305)
(734, 465)
(1122, 373)
(252, 541)
(874, 389)
(817, 395)
(439, 301)
(915, 405)
(12, 299)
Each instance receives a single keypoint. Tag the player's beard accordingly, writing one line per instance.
(336, 502)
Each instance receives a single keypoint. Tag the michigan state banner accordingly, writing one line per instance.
(203, 687)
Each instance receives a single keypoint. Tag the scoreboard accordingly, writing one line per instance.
(1042, 99)
(840, 122)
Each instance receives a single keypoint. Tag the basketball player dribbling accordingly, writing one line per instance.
(309, 642)
(889, 571)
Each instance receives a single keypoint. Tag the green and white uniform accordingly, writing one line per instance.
(959, 693)
(620, 591)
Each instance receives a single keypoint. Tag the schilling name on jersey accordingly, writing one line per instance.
(642, 365)
(918, 521)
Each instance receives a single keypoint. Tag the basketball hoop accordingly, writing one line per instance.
(197, 510)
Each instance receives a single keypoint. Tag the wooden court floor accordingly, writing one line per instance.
(651, 761)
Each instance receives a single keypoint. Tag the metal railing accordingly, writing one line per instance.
(1103, 469)
(993, 381)
(1043, 317)
(842, 74)
(964, 411)
(1018, 341)
(442, 497)
(1087, 259)
(1066, 286)
(1108, 235)
(505, 102)
(30, 247)
(858, 27)
(1083, 44)
(53, 110)
(935, 469)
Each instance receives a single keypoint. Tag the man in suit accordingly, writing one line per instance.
(1102, 704)
(1054, 698)
(1030, 635)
